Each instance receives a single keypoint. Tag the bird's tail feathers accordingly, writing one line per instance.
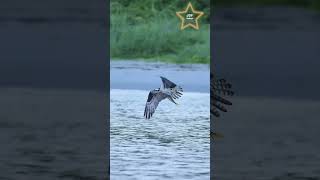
(170, 98)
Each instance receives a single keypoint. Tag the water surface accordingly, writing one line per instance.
(173, 144)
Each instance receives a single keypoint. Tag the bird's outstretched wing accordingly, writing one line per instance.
(167, 83)
(152, 102)
(218, 89)
(176, 91)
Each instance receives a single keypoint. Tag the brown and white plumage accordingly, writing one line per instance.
(154, 98)
(168, 90)
(175, 91)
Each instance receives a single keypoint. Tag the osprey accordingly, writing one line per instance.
(168, 90)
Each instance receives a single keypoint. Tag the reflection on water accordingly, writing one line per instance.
(173, 144)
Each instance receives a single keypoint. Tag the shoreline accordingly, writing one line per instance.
(132, 75)
(156, 60)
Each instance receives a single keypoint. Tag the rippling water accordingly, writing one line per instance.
(173, 144)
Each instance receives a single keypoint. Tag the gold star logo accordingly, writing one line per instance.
(189, 17)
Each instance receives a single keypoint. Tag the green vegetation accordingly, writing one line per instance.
(150, 30)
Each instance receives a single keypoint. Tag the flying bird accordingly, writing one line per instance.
(168, 90)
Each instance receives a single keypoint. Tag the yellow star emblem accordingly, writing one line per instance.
(189, 17)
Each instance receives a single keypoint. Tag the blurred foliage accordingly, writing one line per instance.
(149, 29)
(149, 9)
